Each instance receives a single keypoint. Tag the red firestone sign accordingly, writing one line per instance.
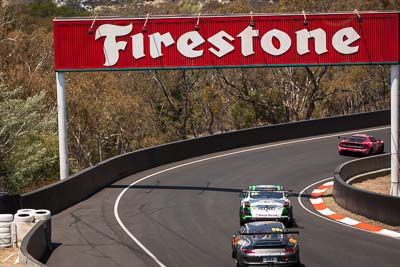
(92, 44)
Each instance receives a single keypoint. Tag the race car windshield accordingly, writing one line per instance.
(266, 194)
(356, 139)
(264, 228)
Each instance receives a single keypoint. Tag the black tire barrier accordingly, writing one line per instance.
(64, 194)
(379, 207)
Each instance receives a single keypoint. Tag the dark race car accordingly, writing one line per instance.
(361, 144)
(265, 244)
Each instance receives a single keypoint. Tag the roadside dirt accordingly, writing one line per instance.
(378, 185)
(8, 257)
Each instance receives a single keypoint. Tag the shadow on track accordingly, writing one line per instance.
(202, 189)
(168, 187)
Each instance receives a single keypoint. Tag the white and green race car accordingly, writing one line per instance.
(265, 203)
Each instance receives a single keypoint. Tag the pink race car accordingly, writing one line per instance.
(360, 144)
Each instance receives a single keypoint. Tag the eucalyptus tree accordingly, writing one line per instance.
(28, 140)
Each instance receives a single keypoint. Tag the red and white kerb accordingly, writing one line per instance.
(318, 203)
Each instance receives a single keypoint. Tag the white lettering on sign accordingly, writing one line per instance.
(319, 36)
(111, 46)
(138, 46)
(268, 46)
(247, 40)
(342, 40)
(156, 41)
(189, 43)
(218, 40)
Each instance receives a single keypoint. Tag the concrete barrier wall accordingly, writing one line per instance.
(36, 245)
(383, 208)
(9, 204)
(82, 185)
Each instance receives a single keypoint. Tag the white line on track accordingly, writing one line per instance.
(148, 252)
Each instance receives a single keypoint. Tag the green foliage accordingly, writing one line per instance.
(243, 115)
(40, 14)
(28, 143)
(336, 5)
(189, 7)
(47, 9)
(32, 163)
(240, 6)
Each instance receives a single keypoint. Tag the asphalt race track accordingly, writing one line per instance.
(186, 216)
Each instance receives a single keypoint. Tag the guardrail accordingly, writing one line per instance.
(383, 208)
(78, 187)
(9, 204)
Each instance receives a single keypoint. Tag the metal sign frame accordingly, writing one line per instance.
(227, 41)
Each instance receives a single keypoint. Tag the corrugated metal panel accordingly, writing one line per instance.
(76, 49)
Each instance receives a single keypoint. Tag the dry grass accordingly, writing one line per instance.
(4, 253)
(330, 202)
(378, 185)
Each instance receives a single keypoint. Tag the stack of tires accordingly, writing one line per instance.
(25, 219)
(13, 228)
(6, 230)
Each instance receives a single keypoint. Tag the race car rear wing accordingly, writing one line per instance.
(246, 191)
(348, 137)
(266, 189)
(273, 232)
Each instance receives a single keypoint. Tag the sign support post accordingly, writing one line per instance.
(62, 125)
(394, 131)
